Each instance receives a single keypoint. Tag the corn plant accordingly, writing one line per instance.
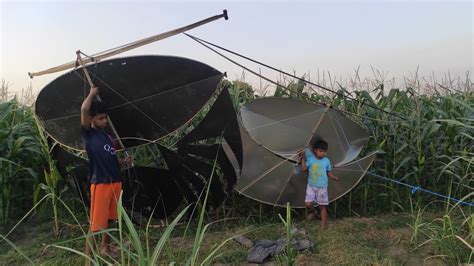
(20, 157)
(290, 254)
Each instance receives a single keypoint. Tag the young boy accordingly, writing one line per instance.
(106, 179)
(319, 169)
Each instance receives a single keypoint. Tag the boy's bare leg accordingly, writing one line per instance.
(90, 240)
(324, 222)
(104, 246)
(311, 210)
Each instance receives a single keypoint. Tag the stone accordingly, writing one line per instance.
(261, 251)
(244, 241)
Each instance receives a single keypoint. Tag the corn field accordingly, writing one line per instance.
(425, 139)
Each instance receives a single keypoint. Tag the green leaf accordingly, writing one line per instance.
(453, 123)
(165, 236)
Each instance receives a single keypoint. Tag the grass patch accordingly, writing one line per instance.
(383, 239)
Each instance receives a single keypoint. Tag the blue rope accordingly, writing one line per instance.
(416, 188)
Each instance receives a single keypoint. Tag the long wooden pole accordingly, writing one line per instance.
(130, 46)
(91, 84)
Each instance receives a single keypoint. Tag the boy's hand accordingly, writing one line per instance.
(127, 161)
(333, 176)
(301, 153)
(94, 91)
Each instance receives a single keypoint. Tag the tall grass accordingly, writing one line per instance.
(289, 257)
(20, 158)
(50, 173)
(449, 236)
(26, 165)
(138, 252)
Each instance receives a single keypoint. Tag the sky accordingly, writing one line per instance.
(396, 38)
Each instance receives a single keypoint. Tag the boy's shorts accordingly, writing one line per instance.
(317, 194)
(104, 199)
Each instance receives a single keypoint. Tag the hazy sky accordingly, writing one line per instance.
(302, 36)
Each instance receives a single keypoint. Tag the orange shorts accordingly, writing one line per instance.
(104, 199)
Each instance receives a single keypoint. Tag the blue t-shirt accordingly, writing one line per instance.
(104, 165)
(317, 169)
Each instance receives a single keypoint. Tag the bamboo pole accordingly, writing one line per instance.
(91, 84)
(123, 48)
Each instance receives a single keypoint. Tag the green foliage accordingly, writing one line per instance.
(449, 236)
(50, 173)
(432, 148)
(290, 255)
(20, 157)
(240, 92)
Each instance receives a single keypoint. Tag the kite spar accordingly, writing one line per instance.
(127, 47)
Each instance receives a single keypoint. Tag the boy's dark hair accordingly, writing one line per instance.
(97, 108)
(321, 144)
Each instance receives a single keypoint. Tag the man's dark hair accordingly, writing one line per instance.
(321, 144)
(97, 108)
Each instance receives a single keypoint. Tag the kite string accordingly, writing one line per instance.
(201, 41)
(259, 75)
(268, 79)
(418, 188)
(299, 93)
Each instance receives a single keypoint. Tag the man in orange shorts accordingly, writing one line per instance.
(106, 179)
